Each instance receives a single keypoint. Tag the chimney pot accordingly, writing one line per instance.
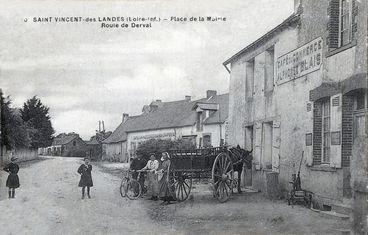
(125, 117)
(211, 93)
(188, 98)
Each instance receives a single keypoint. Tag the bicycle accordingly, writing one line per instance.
(129, 187)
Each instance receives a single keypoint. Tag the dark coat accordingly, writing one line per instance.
(13, 179)
(86, 177)
(136, 164)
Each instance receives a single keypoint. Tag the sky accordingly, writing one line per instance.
(86, 73)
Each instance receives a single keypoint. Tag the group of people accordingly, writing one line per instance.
(159, 183)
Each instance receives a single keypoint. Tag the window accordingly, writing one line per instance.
(360, 109)
(207, 140)
(342, 22)
(249, 137)
(74, 143)
(269, 69)
(345, 19)
(249, 82)
(199, 121)
(326, 121)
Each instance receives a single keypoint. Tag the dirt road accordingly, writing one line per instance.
(49, 202)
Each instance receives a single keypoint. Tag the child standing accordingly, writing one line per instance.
(13, 180)
(86, 178)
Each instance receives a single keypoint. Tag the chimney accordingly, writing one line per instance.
(153, 107)
(158, 101)
(188, 98)
(99, 126)
(145, 109)
(211, 93)
(103, 126)
(125, 117)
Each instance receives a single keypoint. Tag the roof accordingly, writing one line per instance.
(291, 20)
(170, 115)
(65, 139)
(119, 134)
(221, 115)
(92, 142)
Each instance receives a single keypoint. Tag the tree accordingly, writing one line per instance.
(14, 133)
(158, 146)
(37, 118)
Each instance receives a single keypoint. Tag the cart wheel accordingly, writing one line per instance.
(223, 177)
(133, 190)
(183, 185)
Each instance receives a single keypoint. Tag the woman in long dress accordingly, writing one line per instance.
(152, 182)
(167, 190)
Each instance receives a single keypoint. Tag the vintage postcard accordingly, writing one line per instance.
(183, 117)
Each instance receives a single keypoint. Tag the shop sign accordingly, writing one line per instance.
(155, 136)
(299, 62)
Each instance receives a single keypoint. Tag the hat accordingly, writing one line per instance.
(13, 159)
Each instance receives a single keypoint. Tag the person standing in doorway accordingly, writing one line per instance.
(13, 180)
(86, 177)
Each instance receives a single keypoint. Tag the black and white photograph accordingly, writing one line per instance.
(183, 117)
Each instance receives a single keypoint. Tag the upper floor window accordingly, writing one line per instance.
(342, 22)
(249, 82)
(199, 121)
(269, 69)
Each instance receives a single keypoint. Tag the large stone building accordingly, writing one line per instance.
(302, 89)
(201, 121)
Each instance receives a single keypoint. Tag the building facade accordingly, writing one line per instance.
(201, 121)
(66, 145)
(298, 92)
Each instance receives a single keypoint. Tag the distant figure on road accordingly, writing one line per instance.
(167, 191)
(152, 187)
(86, 178)
(13, 180)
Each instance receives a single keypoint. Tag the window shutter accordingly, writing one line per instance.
(276, 143)
(333, 23)
(257, 145)
(317, 133)
(354, 16)
(336, 122)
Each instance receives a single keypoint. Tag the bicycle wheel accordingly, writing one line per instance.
(123, 188)
(133, 190)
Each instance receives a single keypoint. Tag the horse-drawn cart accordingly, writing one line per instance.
(217, 164)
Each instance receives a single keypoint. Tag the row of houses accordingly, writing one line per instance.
(72, 145)
(202, 121)
(301, 90)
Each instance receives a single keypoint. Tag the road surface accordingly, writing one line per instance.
(49, 202)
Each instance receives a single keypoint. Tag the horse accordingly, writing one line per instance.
(240, 156)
